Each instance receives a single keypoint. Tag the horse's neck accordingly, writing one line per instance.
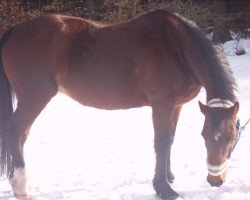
(210, 95)
(214, 76)
(215, 87)
(207, 63)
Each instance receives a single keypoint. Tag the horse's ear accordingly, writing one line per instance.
(203, 108)
(234, 109)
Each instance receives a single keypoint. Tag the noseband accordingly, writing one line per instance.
(219, 169)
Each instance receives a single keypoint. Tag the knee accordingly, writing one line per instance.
(163, 144)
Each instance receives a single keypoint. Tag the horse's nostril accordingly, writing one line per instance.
(215, 184)
(218, 184)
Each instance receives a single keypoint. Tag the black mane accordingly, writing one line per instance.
(222, 75)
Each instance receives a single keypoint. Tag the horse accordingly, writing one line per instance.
(159, 59)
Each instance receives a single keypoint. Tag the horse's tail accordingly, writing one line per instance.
(6, 110)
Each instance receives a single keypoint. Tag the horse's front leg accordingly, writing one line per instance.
(165, 117)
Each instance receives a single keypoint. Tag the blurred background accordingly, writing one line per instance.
(213, 16)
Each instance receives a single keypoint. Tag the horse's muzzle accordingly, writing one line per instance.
(215, 181)
(217, 174)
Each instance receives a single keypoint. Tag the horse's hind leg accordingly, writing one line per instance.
(165, 117)
(16, 130)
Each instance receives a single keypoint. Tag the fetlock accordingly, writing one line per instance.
(19, 182)
(170, 176)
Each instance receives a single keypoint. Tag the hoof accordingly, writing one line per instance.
(23, 196)
(171, 198)
(164, 191)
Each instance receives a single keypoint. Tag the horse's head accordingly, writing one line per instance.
(220, 135)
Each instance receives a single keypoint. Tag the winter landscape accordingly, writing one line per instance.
(76, 152)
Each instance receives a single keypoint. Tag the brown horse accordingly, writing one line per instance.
(159, 60)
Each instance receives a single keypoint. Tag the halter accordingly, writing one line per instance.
(216, 170)
(219, 103)
(239, 131)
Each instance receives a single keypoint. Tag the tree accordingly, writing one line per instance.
(221, 31)
(218, 16)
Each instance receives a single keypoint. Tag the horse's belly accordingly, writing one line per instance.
(108, 98)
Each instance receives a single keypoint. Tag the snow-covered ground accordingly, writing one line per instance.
(77, 153)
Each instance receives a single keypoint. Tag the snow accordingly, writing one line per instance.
(230, 47)
(75, 152)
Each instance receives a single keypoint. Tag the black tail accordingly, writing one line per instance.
(6, 110)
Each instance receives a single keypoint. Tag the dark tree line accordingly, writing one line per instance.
(218, 16)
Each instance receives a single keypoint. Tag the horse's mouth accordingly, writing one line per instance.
(215, 182)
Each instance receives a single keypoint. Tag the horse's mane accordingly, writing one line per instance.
(220, 70)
